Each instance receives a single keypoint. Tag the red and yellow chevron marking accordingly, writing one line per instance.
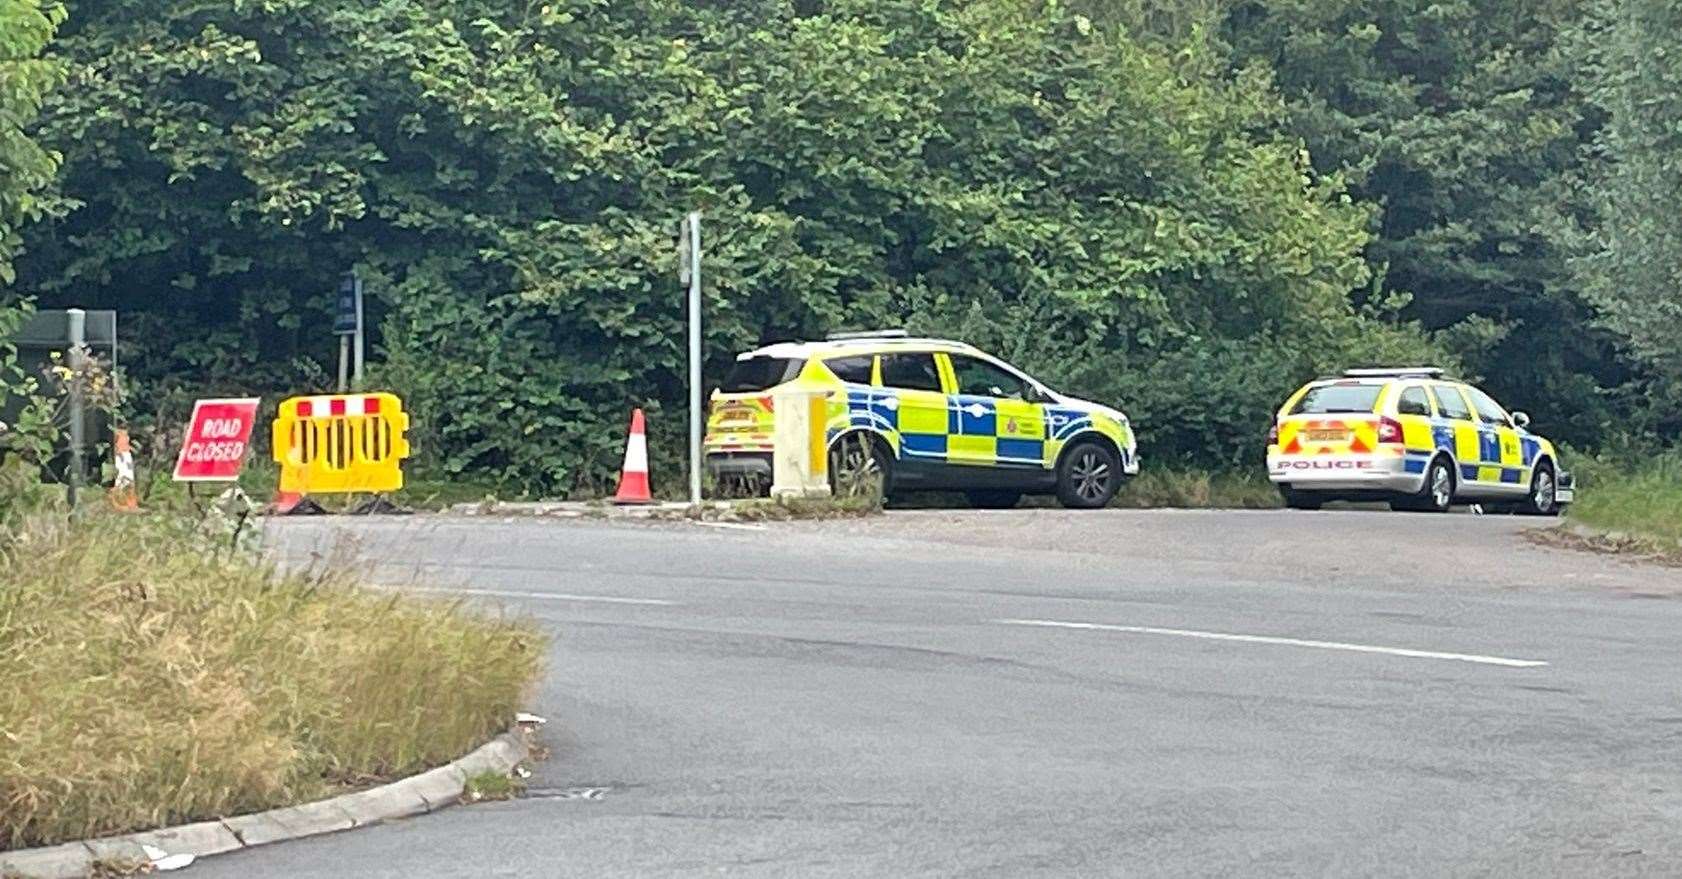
(1321, 435)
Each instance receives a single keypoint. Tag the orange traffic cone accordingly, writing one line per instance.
(292, 503)
(633, 480)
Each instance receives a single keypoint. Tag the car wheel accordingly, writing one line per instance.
(1297, 500)
(1088, 476)
(1436, 493)
(993, 498)
(1543, 499)
(860, 466)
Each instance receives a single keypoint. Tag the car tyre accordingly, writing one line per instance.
(1298, 500)
(859, 465)
(993, 498)
(1436, 492)
(1543, 499)
(1088, 476)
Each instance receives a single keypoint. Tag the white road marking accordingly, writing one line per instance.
(539, 596)
(1287, 642)
(734, 526)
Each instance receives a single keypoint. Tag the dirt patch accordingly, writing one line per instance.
(1627, 546)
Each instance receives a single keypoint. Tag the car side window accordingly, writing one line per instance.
(978, 378)
(855, 370)
(1413, 402)
(910, 371)
(1451, 403)
(1489, 411)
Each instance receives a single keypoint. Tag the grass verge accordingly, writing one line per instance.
(1193, 488)
(1626, 506)
(1642, 499)
(421, 493)
(150, 675)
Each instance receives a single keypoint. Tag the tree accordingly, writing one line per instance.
(1635, 272)
(25, 169)
(25, 78)
(1464, 121)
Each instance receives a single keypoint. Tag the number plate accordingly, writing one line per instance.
(736, 413)
(1327, 436)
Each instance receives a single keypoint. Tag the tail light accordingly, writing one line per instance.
(1273, 435)
(1389, 430)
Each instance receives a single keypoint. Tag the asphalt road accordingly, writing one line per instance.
(934, 694)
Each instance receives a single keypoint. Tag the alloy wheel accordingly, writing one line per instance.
(856, 470)
(1542, 497)
(1090, 475)
(1442, 487)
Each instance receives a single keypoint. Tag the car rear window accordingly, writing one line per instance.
(1452, 404)
(760, 373)
(853, 370)
(1327, 399)
(1413, 402)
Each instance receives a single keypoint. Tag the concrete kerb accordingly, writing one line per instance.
(755, 510)
(567, 510)
(427, 792)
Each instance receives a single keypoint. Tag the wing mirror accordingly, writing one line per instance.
(1520, 419)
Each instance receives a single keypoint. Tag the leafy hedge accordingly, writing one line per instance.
(1120, 217)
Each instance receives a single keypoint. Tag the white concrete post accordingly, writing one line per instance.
(800, 460)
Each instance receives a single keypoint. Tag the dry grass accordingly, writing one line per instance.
(151, 676)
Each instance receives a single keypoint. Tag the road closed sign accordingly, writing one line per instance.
(216, 442)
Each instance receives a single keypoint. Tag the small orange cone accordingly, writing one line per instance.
(123, 495)
(633, 480)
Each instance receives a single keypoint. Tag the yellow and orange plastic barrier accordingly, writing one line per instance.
(341, 444)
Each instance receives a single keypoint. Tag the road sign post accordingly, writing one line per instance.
(690, 273)
(77, 360)
(348, 324)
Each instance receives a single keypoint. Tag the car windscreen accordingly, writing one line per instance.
(1329, 399)
(760, 373)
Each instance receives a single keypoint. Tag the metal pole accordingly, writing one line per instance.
(356, 375)
(695, 359)
(344, 364)
(78, 429)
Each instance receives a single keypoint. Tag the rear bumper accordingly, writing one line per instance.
(1347, 473)
(739, 464)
